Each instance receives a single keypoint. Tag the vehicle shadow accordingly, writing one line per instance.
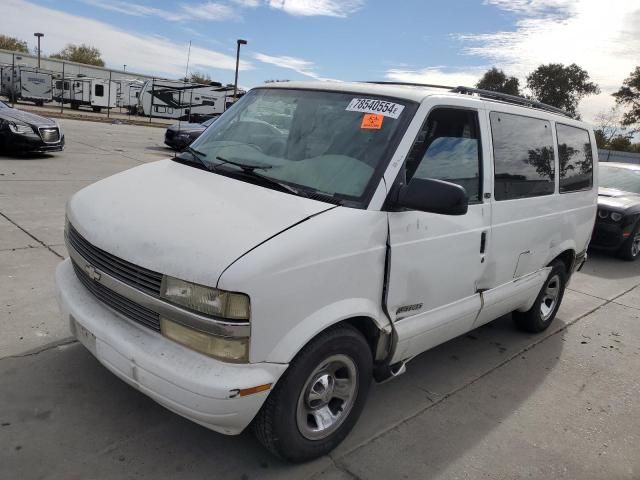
(449, 429)
(26, 155)
(68, 417)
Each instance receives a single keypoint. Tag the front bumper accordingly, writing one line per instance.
(31, 142)
(608, 236)
(177, 141)
(192, 385)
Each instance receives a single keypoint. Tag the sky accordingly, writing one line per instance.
(450, 43)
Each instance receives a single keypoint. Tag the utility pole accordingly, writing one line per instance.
(39, 35)
(235, 83)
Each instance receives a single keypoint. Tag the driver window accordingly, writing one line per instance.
(448, 148)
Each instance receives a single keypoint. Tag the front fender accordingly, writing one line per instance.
(310, 327)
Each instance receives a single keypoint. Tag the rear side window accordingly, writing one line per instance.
(448, 148)
(523, 156)
(576, 158)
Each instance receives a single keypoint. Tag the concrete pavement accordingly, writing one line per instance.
(495, 403)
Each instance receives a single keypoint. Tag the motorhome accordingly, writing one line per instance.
(184, 100)
(96, 93)
(265, 277)
(27, 84)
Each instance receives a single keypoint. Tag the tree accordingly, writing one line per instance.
(81, 54)
(11, 43)
(621, 143)
(629, 95)
(497, 81)
(197, 77)
(560, 86)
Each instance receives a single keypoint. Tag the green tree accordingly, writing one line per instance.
(197, 77)
(629, 96)
(81, 54)
(497, 81)
(11, 43)
(621, 143)
(561, 86)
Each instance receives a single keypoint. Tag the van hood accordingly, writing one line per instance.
(182, 221)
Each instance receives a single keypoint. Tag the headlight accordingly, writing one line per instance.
(207, 300)
(20, 128)
(226, 349)
(603, 214)
(616, 217)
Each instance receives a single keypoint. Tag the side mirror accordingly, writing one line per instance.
(434, 196)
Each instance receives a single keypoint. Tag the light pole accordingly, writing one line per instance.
(235, 84)
(39, 35)
(125, 68)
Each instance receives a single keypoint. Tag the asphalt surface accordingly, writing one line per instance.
(495, 403)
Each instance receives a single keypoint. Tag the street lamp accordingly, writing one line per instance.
(235, 84)
(125, 68)
(39, 35)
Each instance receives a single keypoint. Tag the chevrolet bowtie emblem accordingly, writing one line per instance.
(92, 272)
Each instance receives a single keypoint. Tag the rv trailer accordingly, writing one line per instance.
(184, 100)
(28, 84)
(128, 93)
(85, 91)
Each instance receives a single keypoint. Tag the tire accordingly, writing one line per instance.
(544, 309)
(284, 425)
(630, 249)
(96, 109)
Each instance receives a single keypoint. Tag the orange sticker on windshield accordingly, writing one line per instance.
(372, 121)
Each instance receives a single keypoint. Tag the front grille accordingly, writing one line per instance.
(141, 278)
(50, 135)
(117, 302)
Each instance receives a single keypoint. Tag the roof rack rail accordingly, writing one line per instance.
(410, 84)
(503, 97)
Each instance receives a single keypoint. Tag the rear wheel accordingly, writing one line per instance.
(541, 314)
(319, 398)
(630, 249)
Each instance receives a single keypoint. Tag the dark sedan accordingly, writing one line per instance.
(179, 135)
(617, 229)
(26, 132)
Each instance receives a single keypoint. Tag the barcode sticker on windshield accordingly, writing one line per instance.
(371, 105)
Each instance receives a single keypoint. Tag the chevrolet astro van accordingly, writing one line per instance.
(319, 236)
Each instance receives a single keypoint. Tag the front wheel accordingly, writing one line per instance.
(541, 314)
(630, 249)
(319, 398)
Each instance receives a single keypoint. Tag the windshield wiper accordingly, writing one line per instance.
(198, 156)
(250, 170)
(244, 166)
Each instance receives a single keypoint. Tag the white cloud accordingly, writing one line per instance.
(141, 53)
(299, 65)
(330, 8)
(601, 37)
(247, 3)
(209, 11)
(203, 11)
(436, 76)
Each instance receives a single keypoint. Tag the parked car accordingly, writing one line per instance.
(617, 228)
(266, 276)
(179, 135)
(26, 132)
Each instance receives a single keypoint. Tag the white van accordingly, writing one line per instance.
(266, 275)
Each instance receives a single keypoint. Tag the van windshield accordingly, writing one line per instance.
(320, 142)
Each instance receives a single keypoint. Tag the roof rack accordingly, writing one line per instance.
(503, 97)
(409, 84)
